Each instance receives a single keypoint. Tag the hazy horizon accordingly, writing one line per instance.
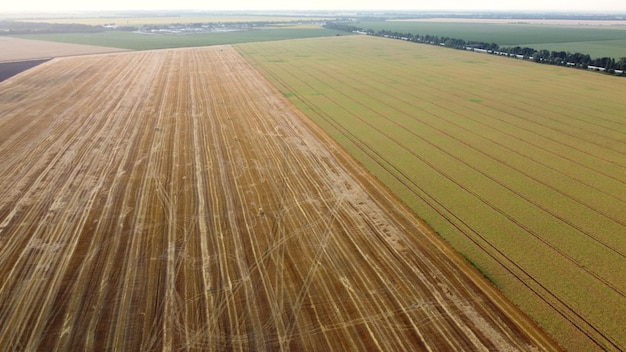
(604, 6)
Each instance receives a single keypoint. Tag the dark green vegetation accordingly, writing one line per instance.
(544, 56)
(520, 167)
(134, 41)
(601, 40)
(615, 48)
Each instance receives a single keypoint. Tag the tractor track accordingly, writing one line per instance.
(175, 201)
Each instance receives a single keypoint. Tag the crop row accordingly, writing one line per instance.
(510, 163)
(173, 200)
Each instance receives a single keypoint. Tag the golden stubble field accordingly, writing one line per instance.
(174, 200)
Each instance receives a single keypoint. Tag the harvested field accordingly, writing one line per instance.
(173, 200)
(15, 49)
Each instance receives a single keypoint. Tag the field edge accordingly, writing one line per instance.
(384, 196)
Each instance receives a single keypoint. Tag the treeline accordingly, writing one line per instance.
(566, 58)
(561, 58)
(18, 27)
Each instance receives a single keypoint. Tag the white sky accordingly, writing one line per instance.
(559, 5)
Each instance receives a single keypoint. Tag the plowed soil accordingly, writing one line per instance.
(10, 69)
(174, 200)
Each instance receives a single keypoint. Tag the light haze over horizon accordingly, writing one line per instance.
(610, 6)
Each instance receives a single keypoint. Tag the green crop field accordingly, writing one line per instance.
(520, 167)
(135, 41)
(597, 41)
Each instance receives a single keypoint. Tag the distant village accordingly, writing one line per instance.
(185, 28)
(206, 27)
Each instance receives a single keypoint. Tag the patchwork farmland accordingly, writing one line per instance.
(520, 167)
(173, 200)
